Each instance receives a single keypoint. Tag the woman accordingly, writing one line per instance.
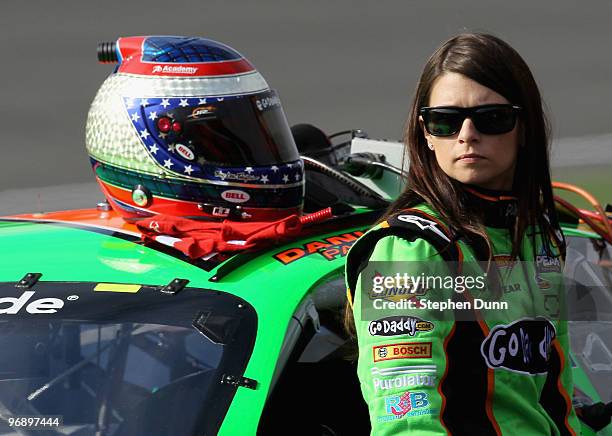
(478, 189)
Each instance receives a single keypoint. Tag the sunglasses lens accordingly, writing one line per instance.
(494, 121)
(488, 119)
(443, 122)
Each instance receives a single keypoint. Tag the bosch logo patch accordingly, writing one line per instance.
(404, 350)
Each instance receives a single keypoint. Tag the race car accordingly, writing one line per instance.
(103, 334)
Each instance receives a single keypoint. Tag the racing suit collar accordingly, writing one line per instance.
(499, 207)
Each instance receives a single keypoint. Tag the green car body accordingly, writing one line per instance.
(276, 282)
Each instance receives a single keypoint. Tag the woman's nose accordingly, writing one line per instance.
(468, 132)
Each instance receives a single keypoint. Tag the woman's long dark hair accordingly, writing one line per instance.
(491, 62)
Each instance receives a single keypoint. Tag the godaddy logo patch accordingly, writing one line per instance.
(523, 346)
(399, 325)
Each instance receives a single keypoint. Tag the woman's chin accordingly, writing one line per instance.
(483, 182)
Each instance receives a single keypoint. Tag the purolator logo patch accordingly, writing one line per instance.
(402, 350)
(404, 381)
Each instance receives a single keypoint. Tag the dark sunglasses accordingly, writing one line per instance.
(490, 119)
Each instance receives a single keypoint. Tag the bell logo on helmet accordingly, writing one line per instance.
(235, 196)
(42, 305)
(184, 152)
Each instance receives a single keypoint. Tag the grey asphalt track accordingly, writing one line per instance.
(338, 65)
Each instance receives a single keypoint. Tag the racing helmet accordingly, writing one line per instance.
(188, 127)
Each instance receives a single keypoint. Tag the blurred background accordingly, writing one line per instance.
(338, 65)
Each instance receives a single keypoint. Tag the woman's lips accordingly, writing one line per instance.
(470, 157)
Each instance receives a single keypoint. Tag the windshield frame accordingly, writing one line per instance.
(221, 317)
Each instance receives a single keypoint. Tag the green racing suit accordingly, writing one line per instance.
(423, 370)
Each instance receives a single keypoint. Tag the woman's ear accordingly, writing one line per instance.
(428, 137)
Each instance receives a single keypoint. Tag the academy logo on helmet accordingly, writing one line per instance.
(180, 69)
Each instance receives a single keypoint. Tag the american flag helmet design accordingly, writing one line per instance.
(187, 126)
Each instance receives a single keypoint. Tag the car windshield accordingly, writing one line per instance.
(112, 359)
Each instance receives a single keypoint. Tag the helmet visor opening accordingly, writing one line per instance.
(229, 131)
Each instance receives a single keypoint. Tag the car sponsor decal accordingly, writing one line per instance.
(522, 346)
(403, 350)
(407, 404)
(116, 287)
(13, 305)
(399, 325)
(330, 248)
